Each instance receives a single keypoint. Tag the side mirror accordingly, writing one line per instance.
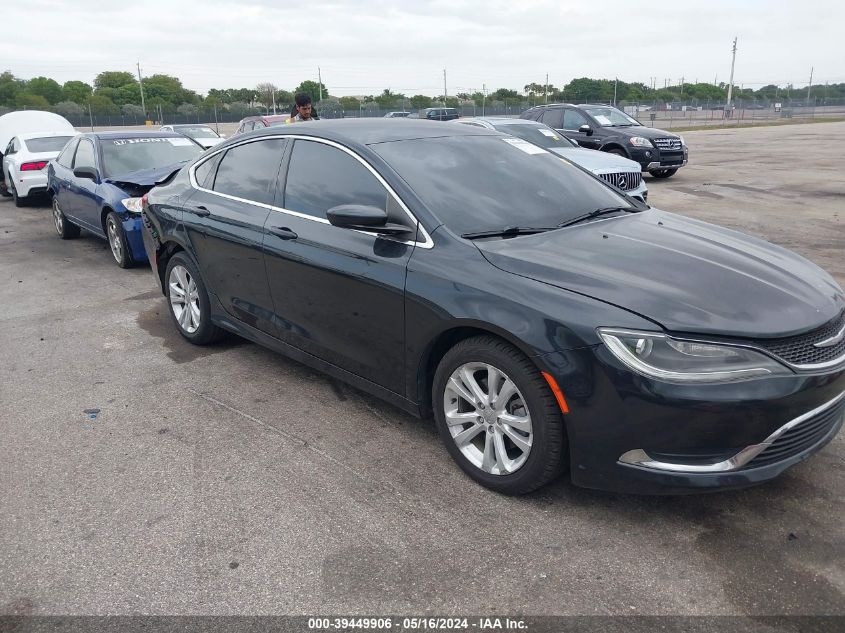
(364, 218)
(586, 129)
(86, 172)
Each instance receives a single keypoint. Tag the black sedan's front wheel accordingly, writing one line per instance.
(498, 417)
(190, 307)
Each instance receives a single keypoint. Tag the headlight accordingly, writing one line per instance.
(673, 360)
(683, 142)
(639, 141)
(133, 205)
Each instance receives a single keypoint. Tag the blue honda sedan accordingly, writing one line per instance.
(97, 182)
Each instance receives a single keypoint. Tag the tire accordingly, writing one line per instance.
(183, 280)
(64, 227)
(664, 173)
(116, 237)
(19, 201)
(488, 451)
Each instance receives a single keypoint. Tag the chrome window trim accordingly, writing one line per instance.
(638, 457)
(426, 243)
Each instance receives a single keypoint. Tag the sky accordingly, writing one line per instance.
(364, 46)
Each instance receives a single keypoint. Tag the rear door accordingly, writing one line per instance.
(62, 175)
(338, 293)
(225, 220)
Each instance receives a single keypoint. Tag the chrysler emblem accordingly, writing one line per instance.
(833, 340)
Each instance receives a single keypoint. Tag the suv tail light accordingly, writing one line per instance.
(34, 166)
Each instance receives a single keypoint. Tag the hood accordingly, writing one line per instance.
(686, 275)
(144, 177)
(646, 132)
(597, 162)
(209, 142)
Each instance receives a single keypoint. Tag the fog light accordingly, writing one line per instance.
(648, 154)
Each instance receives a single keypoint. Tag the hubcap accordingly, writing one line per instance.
(114, 240)
(57, 216)
(184, 299)
(488, 418)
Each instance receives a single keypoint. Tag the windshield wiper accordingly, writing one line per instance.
(508, 231)
(597, 213)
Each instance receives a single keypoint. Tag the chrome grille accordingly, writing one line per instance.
(801, 350)
(799, 438)
(625, 180)
(668, 143)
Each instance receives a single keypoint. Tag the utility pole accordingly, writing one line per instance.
(319, 83)
(615, 84)
(731, 83)
(273, 91)
(90, 116)
(809, 85)
(141, 84)
(546, 90)
(483, 97)
(444, 88)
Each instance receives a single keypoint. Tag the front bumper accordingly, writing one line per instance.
(133, 228)
(653, 159)
(628, 433)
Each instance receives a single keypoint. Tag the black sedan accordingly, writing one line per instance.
(439, 269)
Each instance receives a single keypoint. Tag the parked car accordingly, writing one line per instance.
(610, 130)
(251, 123)
(618, 171)
(98, 179)
(202, 134)
(23, 121)
(25, 159)
(545, 319)
(396, 115)
(439, 114)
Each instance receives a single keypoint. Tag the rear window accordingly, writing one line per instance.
(47, 143)
(126, 155)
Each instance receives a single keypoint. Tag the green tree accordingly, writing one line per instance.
(26, 101)
(132, 110)
(506, 95)
(10, 87)
(187, 109)
(113, 79)
(349, 103)
(102, 105)
(313, 88)
(246, 95)
(388, 99)
(44, 87)
(239, 108)
(130, 93)
(266, 93)
(69, 108)
(76, 91)
(421, 101)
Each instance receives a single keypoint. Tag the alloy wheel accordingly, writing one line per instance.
(488, 418)
(115, 240)
(58, 217)
(184, 299)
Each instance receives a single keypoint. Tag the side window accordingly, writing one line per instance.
(10, 148)
(204, 173)
(65, 159)
(321, 177)
(573, 119)
(84, 154)
(249, 171)
(553, 117)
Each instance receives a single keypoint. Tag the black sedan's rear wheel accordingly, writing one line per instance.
(190, 307)
(497, 416)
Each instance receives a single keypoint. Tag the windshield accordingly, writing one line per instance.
(197, 131)
(610, 117)
(541, 135)
(126, 155)
(480, 183)
(46, 144)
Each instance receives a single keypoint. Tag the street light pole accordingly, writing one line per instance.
(731, 83)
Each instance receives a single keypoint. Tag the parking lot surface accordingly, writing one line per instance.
(141, 474)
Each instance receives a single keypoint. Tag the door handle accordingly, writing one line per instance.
(283, 232)
(199, 210)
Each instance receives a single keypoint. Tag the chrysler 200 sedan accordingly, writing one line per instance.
(547, 321)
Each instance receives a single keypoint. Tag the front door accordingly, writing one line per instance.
(225, 220)
(338, 293)
(573, 119)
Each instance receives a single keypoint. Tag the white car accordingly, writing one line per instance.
(621, 172)
(202, 134)
(25, 160)
(37, 124)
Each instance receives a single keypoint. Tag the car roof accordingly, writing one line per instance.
(178, 125)
(505, 121)
(366, 131)
(29, 135)
(134, 134)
